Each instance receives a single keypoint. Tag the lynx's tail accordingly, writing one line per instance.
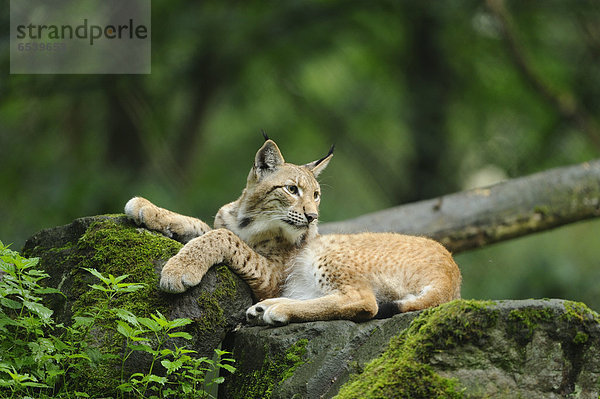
(386, 310)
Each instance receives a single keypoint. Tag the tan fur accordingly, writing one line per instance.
(269, 237)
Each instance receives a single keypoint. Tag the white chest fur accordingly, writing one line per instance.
(303, 279)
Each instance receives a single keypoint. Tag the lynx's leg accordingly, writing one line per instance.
(173, 225)
(187, 268)
(431, 295)
(357, 305)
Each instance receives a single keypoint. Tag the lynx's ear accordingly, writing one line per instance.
(267, 158)
(317, 167)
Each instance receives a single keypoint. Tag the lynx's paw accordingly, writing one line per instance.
(269, 312)
(145, 213)
(177, 277)
(133, 209)
(173, 225)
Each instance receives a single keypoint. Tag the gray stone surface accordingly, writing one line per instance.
(506, 349)
(334, 350)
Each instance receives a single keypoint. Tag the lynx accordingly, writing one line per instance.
(269, 237)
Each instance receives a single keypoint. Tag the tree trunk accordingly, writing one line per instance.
(482, 216)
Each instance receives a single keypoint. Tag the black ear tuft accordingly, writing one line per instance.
(317, 167)
(326, 156)
(264, 134)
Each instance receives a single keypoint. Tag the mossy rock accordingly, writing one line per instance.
(471, 349)
(112, 244)
(304, 360)
(509, 349)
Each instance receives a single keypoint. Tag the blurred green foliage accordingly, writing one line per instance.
(420, 98)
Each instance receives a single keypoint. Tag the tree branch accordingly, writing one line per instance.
(483, 216)
(564, 103)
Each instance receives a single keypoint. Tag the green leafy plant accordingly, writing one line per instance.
(40, 358)
(184, 375)
(26, 349)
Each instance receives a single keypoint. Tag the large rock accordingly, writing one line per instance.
(505, 349)
(305, 360)
(112, 244)
(529, 349)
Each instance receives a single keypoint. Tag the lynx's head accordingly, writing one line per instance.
(280, 199)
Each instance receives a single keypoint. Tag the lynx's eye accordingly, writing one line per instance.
(317, 196)
(292, 189)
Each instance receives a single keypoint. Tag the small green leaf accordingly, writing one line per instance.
(227, 367)
(180, 334)
(156, 378)
(125, 387)
(79, 356)
(116, 280)
(99, 288)
(179, 323)
(151, 324)
(126, 315)
(81, 321)
(129, 287)
(43, 312)
(9, 303)
(165, 352)
(160, 319)
(142, 348)
(172, 366)
(97, 274)
(218, 380)
(126, 330)
(220, 352)
(34, 384)
(48, 290)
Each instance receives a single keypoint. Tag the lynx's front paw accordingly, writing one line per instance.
(269, 312)
(178, 227)
(176, 277)
(133, 209)
(145, 213)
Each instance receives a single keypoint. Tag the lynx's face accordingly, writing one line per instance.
(280, 199)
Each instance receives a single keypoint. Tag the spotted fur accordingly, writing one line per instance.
(269, 237)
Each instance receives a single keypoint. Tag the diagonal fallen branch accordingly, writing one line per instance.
(483, 216)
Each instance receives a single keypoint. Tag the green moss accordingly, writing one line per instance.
(294, 357)
(580, 338)
(579, 312)
(528, 319)
(580, 317)
(117, 249)
(411, 380)
(401, 371)
(121, 249)
(275, 370)
(213, 313)
(452, 324)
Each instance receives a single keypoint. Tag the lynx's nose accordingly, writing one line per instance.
(311, 216)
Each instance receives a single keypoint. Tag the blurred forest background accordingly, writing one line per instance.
(421, 98)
